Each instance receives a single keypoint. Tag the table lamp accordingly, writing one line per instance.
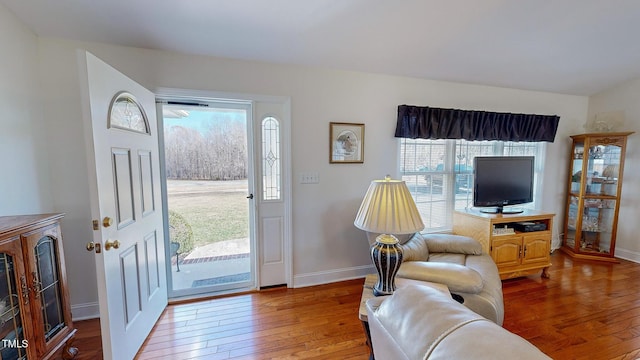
(387, 209)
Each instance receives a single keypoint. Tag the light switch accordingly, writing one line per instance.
(309, 178)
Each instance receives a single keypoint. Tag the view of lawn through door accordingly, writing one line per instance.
(207, 166)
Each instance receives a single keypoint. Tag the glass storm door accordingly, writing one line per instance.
(208, 169)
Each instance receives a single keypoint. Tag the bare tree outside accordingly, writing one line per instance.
(220, 153)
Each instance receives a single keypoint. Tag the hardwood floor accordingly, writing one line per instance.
(586, 310)
(88, 340)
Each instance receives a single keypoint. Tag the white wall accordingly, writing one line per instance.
(326, 245)
(24, 179)
(625, 97)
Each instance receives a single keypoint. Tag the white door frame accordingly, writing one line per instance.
(286, 159)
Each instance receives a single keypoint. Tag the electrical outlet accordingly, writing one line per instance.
(309, 178)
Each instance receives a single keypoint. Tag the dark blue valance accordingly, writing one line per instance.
(436, 123)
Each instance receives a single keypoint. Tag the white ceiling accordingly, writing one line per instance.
(576, 47)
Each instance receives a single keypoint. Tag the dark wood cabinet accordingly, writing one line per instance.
(35, 313)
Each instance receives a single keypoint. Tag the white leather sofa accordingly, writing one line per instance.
(458, 262)
(419, 322)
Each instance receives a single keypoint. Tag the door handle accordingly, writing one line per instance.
(115, 244)
(37, 285)
(25, 290)
(250, 196)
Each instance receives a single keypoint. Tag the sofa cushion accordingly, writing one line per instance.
(446, 243)
(458, 278)
(415, 249)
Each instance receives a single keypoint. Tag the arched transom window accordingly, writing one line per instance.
(126, 113)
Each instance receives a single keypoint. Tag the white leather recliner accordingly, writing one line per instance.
(458, 262)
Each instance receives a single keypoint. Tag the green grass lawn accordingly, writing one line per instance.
(216, 210)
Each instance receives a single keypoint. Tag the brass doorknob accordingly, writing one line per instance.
(115, 244)
(107, 221)
(91, 246)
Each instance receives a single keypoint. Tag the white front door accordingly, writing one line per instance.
(128, 237)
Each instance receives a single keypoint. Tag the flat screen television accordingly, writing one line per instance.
(502, 181)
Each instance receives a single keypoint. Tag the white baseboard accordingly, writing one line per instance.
(85, 311)
(325, 277)
(628, 255)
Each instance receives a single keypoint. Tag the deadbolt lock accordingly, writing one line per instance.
(107, 221)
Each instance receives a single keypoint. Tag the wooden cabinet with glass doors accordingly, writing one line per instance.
(35, 315)
(593, 196)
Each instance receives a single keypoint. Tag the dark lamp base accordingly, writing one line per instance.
(386, 255)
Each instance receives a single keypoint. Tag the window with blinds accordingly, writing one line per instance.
(439, 173)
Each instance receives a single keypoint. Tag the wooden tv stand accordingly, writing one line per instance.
(516, 254)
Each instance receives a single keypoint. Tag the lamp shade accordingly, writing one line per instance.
(388, 208)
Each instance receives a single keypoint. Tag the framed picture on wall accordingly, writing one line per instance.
(346, 143)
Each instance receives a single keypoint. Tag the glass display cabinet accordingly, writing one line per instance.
(35, 314)
(11, 327)
(593, 196)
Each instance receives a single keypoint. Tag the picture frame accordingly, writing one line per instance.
(346, 143)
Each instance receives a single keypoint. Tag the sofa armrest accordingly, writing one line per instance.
(457, 244)
(385, 345)
(458, 278)
(419, 322)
